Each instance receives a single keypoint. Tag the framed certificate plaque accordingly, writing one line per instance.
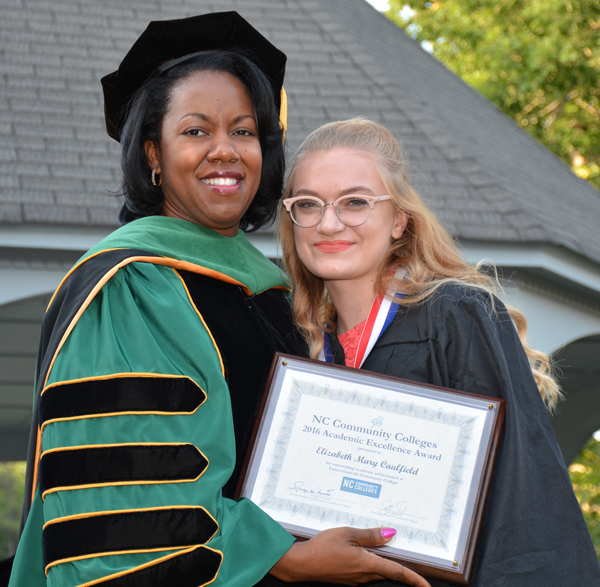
(336, 446)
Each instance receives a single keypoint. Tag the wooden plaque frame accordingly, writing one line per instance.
(457, 569)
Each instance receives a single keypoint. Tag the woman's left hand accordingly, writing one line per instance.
(338, 556)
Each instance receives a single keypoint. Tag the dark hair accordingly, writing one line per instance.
(144, 120)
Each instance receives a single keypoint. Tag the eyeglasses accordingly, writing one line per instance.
(352, 210)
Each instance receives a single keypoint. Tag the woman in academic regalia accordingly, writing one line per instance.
(156, 346)
(358, 241)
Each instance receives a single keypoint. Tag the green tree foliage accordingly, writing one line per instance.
(585, 476)
(538, 60)
(12, 491)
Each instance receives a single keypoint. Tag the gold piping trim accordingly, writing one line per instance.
(111, 553)
(173, 263)
(122, 483)
(159, 560)
(164, 261)
(126, 413)
(116, 484)
(119, 444)
(38, 456)
(123, 375)
(180, 264)
(203, 322)
(112, 512)
(109, 414)
(73, 559)
(280, 287)
(75, 267)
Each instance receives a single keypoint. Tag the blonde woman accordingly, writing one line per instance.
(359, 243)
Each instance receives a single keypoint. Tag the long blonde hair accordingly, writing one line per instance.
(425, 250)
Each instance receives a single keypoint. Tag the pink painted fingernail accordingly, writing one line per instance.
(387, 533)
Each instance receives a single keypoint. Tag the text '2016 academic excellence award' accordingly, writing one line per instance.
(343, 447)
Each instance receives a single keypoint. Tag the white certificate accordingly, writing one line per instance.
(344, 447)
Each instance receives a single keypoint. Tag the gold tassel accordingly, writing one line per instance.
(283, 112)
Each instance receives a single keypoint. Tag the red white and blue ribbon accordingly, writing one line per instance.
(382, 313)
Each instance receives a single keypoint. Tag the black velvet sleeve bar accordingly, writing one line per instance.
(119, 394)
(196, 568)
(135, 530)
(127, 463)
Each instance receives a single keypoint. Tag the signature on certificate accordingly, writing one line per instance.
(300, 489)
(394, 509)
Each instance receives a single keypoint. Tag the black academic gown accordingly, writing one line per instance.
(533, 533)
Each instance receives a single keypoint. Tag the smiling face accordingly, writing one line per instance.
(331, 250)
(209, 156)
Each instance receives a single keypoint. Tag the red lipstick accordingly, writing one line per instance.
(333, 246)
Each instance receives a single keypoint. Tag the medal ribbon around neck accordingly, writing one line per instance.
(382, 313)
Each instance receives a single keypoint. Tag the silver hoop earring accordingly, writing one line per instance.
(153, 178)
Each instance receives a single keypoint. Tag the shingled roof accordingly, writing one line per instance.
(495, 188)
(486, 178)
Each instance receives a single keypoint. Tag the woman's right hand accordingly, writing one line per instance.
(339, 556)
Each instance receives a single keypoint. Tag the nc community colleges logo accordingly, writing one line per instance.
(360, 487)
